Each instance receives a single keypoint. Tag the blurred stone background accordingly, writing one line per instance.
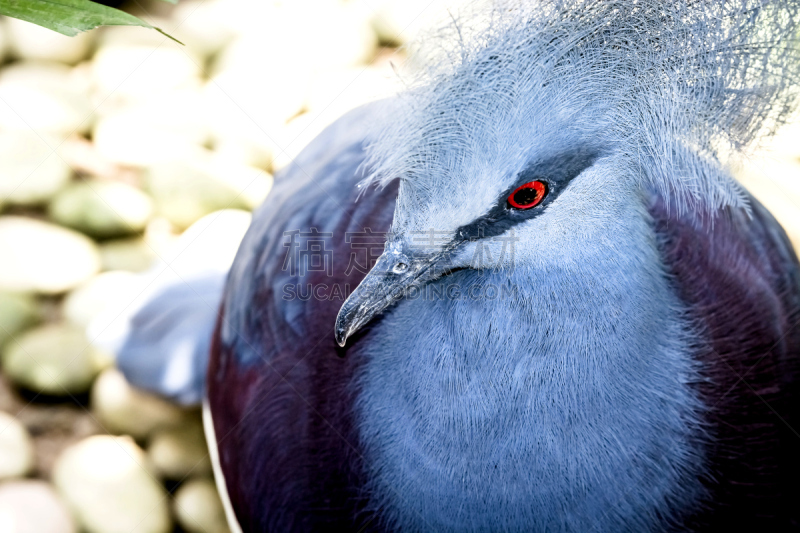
(122, 152)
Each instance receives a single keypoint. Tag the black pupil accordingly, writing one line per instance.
(525, 196)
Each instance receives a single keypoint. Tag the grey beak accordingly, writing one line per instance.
(389, 280)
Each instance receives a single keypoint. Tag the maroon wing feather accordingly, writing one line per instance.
(739, 278)
(278, 392)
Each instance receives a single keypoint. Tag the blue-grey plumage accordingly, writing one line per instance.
(590, 397)
(577, 322)
(166, 348)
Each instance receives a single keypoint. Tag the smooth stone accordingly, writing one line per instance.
(397, 22)
(30, 41)
(186, 190)
(180, 452)
(123, 409)
(55, 359)
(31, 172)
(127, 73)
(234, 146)
(16, 448)
(198, 507)
(252, 102)
(337, 35)
(134, 255)
(246, 132)
(102, 209)
(46, 98)
(127, 140)
(784, 144)
(161, 236)
(776, 184)
(158, 129)
(263, 97)
(17, 312)
(210, 244)
(248, 110)
(32, 249)
(99, 293)
(203, 27)
(333, 93)
(337, 92)
(32, 506)
(81, 154)
(108, 487)
(295, 136)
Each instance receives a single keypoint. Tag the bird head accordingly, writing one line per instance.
(501, 224)
(531, 116)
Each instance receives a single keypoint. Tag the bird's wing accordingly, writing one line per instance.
(164, 347)
(739, 278)
(277, 390)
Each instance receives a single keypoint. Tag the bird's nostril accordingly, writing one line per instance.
(399, 268)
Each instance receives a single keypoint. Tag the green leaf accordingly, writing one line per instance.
(70, 17)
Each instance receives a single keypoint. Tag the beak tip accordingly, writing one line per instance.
(341, 337)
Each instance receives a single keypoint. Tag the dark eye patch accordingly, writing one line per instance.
(554, 172)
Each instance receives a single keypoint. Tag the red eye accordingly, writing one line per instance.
(528, 195)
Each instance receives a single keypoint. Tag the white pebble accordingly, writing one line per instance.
(44, 97)
(102, 209)
(106, 483)
(122, 409)
(185, 190)
(31, 41)
(400, 21)
(154, 130)
(180, 452)
(53, 359)
(133, 73)
(32, 172)
(31, 249)
(134, 254)
(198, 507)
(32, 506)
(203, 28)
(17, 312)
(210, 244)
(16, 448)
(776, 184)
(98, 294)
